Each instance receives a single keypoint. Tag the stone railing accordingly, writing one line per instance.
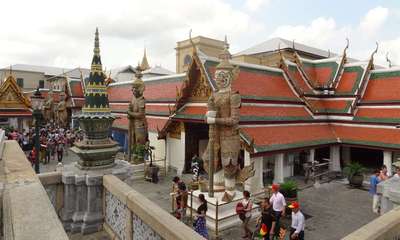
(386, 227)
(55, 189)
(128, 215)
(27, 210)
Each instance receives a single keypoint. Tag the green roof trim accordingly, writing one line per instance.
(330, 110)
(276, 147)
(377, 120)
(189, 116)
(155, 100)
(383, 75)
(371, 143)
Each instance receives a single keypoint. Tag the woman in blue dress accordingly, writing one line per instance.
(200, 225)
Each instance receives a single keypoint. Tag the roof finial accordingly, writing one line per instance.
(388, 60)
(145, 64)
(329, 53)
(10, 70)
(191, 40)
(294, 49)
(347, 46)
(375, 51)
(279, 50)
(96, 42)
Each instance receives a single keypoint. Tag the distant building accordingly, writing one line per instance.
(15, 108)
(29, 77)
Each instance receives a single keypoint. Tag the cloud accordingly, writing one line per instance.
(325, 33)
(61, 32)
(374, 20)
(254, 5)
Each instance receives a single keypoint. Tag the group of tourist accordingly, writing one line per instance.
(54, 142)
(379, 175)
(268, 224)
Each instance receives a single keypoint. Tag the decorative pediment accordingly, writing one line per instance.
(11, 95)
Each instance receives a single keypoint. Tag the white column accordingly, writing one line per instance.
(334, 164)
(387, 160)
(182, 147)
(346, 155)
(247, 160)
(291, 164)
(278, 170)
(312, 155)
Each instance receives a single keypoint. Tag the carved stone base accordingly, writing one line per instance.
(227, 216)
(83, 196)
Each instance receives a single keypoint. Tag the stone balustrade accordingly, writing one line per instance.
(128, 215)
(385, 227)
(27, 210)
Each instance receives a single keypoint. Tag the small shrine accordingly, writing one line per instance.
(97, 150)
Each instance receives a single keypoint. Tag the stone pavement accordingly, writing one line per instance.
(333, 209)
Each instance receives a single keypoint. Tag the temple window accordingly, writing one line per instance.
(20, 82)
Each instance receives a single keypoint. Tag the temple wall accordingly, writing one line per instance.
(129, 215)
(159, 145)
(176, 152)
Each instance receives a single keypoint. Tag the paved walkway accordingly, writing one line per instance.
(333, 209)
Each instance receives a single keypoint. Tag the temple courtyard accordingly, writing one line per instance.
(332, 209)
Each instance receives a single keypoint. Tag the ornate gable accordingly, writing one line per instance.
(11, 95)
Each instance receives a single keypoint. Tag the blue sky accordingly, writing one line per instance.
(60, 33)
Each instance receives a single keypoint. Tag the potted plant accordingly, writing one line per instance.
(354, 173)
(289, 190)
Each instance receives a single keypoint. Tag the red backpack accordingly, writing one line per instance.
(240, 211)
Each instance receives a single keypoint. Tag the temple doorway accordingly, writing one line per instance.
(369, 158)
(196, 139)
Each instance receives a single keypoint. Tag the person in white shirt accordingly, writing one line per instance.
(298, 222)
(248, 206)
(278, 203)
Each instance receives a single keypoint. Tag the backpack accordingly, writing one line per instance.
(240, 211)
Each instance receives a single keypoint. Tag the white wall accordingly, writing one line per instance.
(176, 152)
(159, 145)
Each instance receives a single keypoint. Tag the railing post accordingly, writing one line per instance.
(216, 220)
(191, 207)
(173, 198)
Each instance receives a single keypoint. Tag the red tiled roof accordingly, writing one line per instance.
(383, 89)
(152, 123)
(380, 137)
(273, 138)
(299, 80)
(15, 113)
(76, 88)
(320, 73)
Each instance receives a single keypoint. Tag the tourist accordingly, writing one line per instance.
(374, 180)
(268, 219)
(181, 197)
(247, 207)
(200, 222)
(278, 203)
(60, 149)
(384, 175)
(298, 222)
(32, 156)
(397, 175)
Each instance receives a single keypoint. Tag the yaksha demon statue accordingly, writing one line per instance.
(223, 118)
(138, 134)
(49, 108)
(62, 114)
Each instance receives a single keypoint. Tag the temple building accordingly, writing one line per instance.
(15, 107)
(305, 108)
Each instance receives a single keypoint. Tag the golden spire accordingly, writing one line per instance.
(225, 56)
(96, 43)
(145, 64)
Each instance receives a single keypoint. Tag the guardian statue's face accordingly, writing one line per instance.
(223, 79)
(137, 91)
